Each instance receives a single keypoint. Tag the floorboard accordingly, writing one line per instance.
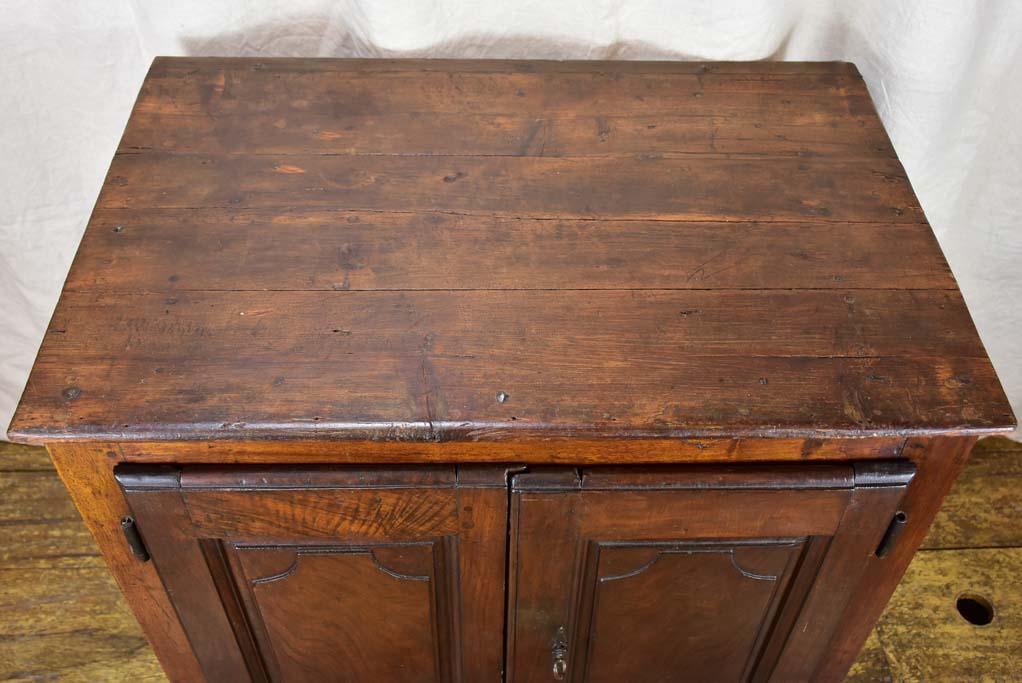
(984, 509)
(924, 636)
(62, 617)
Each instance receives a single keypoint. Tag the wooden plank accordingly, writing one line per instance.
(639, 328)
(704, 93)
(481, 571)
(432, 106)
(872, 666)
(33, 496)
(223, 249)
(431, 364)
(637, 187)
(798, 133)
(16, 457)
(754, 513)
(39, 545)
(983, 510)
(39, 526)
(923, 634)
(69, 623)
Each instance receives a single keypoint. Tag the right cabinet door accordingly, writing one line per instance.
(689, 573)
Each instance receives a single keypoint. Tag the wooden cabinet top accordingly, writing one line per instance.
(497, 250)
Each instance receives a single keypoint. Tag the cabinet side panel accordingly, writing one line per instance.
(87, 472)
(867, 517)
(939, 460)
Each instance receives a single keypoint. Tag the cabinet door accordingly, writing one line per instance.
(695, 574)
(331, 574)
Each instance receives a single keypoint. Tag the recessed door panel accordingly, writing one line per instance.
(719, 598)
(317, 605)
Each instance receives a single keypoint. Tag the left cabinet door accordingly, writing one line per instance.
(330, 574)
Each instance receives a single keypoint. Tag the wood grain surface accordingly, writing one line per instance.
(375, 251)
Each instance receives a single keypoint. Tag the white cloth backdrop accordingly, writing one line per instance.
(946, 76)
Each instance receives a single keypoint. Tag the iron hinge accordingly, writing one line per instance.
(894, 530)
(134, 538)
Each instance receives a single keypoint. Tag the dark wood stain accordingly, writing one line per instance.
(548, 350)
(752, 259)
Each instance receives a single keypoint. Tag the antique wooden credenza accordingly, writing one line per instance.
(410, 370)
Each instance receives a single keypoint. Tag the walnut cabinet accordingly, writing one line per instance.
(454, 370)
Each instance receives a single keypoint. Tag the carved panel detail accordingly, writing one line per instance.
(388, 608)
(692, 549)
(716, 596)
(372, 552)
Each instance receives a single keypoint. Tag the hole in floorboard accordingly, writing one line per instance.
(975, 609)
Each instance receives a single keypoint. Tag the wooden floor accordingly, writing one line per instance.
(62, 617)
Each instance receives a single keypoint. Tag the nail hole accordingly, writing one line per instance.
(975, 609)
(118, 228)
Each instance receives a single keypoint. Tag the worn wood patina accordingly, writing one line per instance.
(375, 250)
(411, 325)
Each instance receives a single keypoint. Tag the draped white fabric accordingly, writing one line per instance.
(946, 77)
